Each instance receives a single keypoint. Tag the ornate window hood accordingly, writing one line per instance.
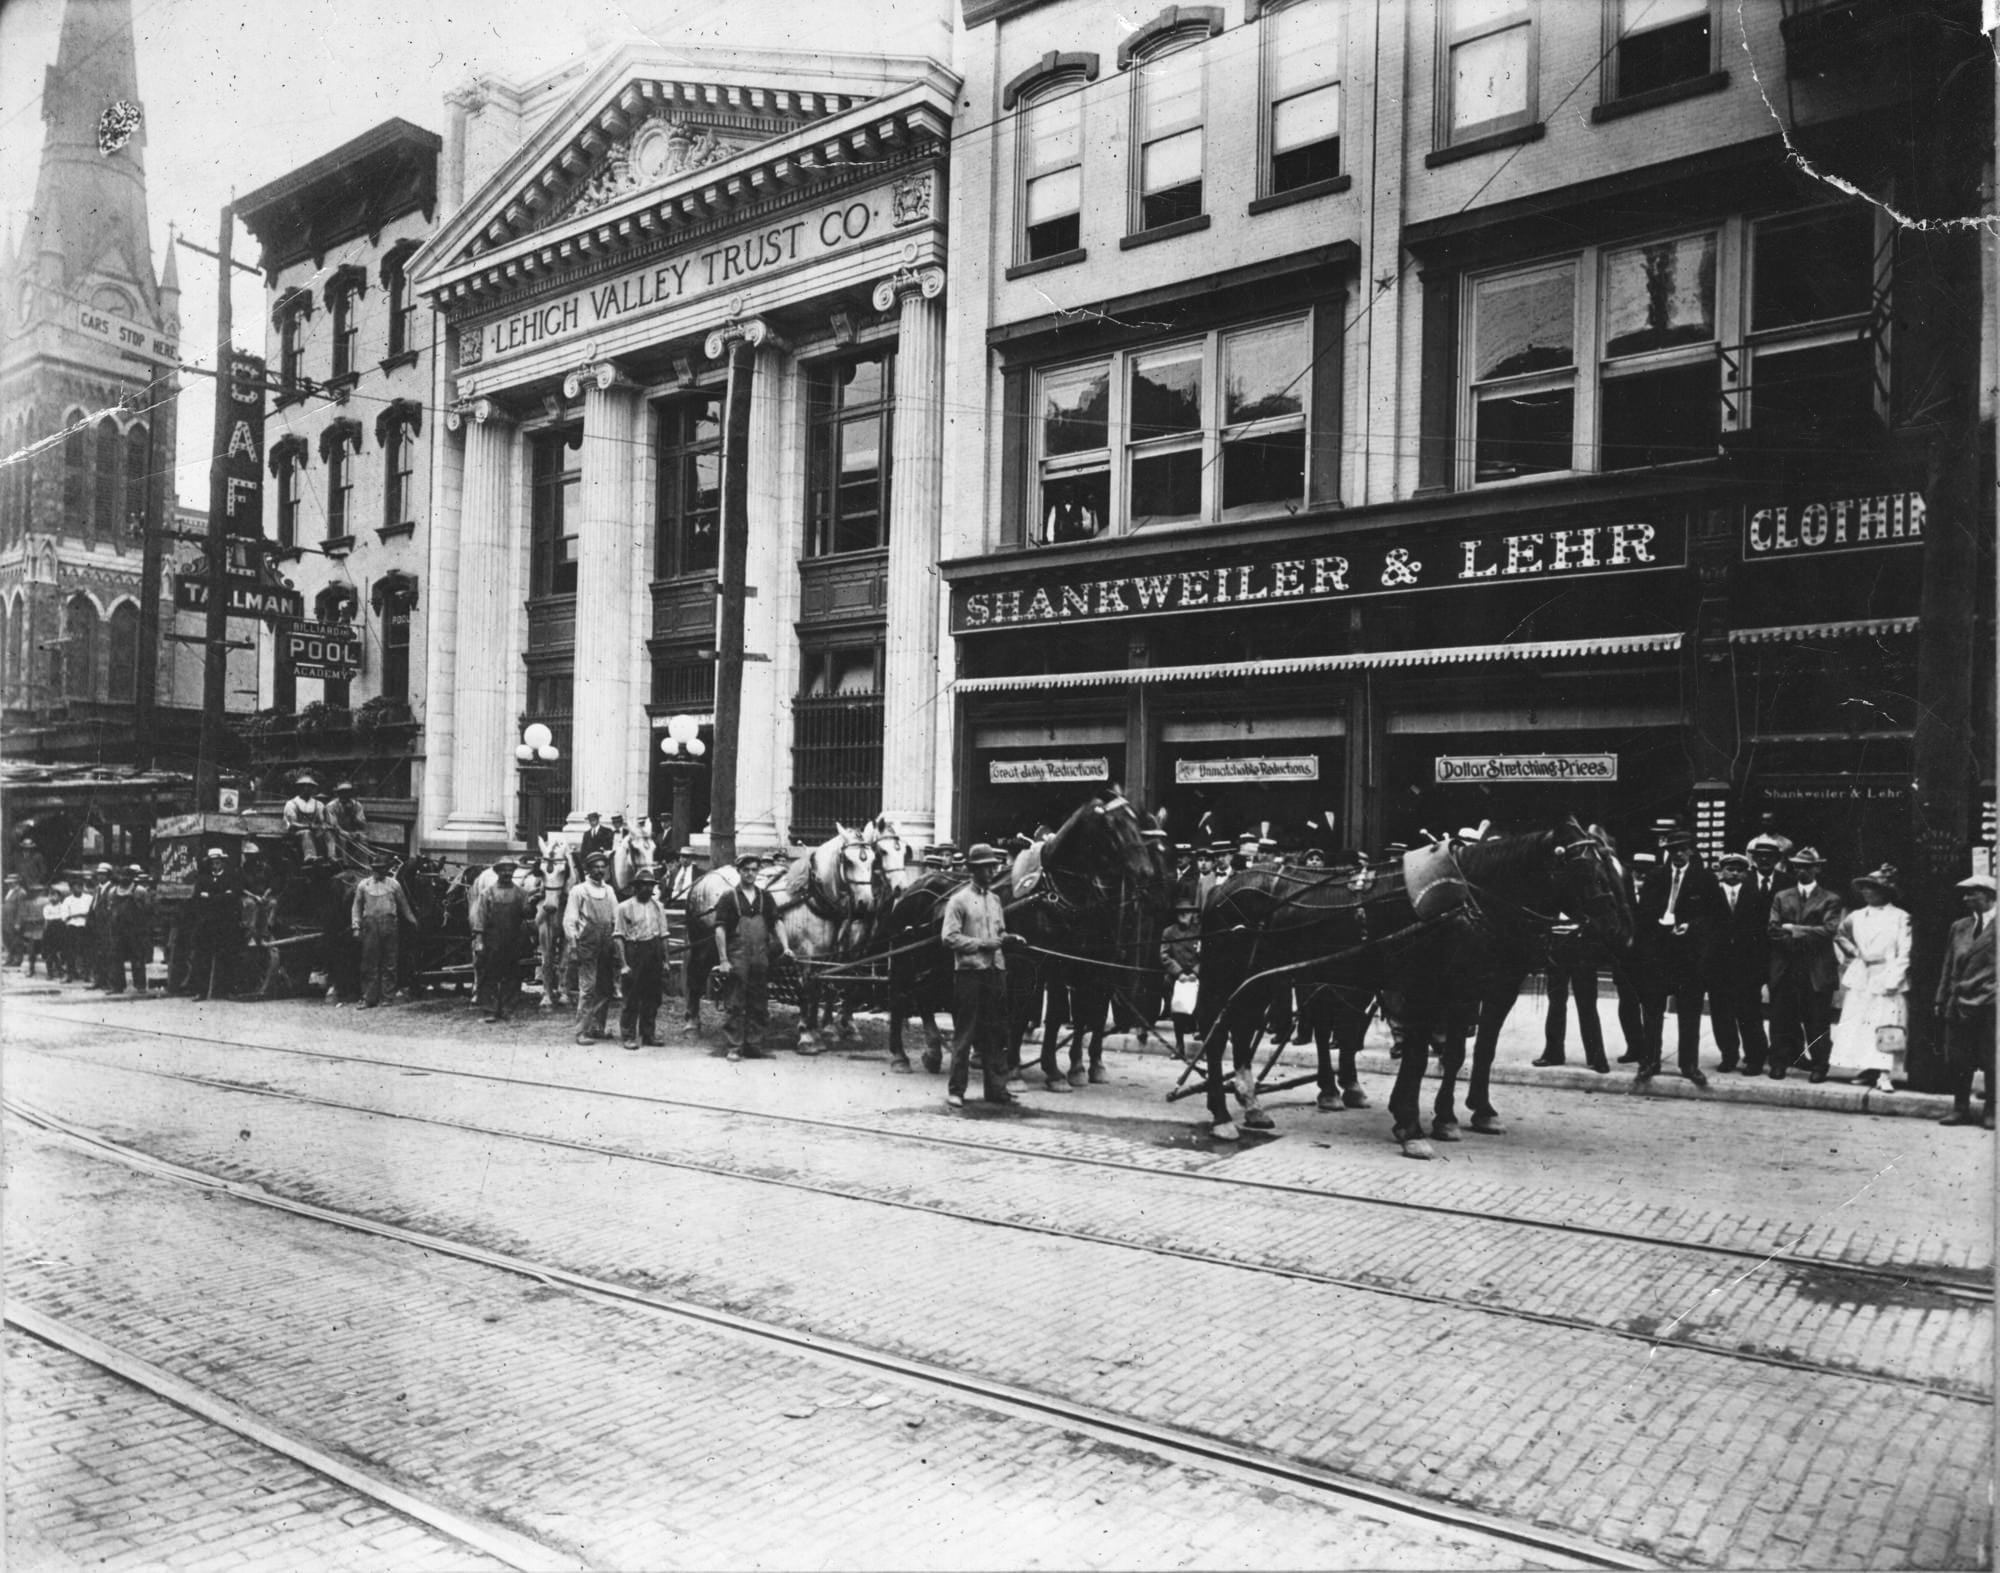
(512, 253)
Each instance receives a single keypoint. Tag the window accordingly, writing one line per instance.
(558, 486)
(1212, 428)
(288, 503)
(1302, 88)
(343, 294)
(122, 653)
(850, 403)
(689, 536)
(1051, 199)
(1523, 363)
(398, 475)
(75, 477)
(396, 620)
(104, 512)
(836, 739)
(1489, 68)
(1811, 371)
(337, 603)
(289, 316)
(402, 298)
(339, 491)
(1660, 43)
(1661, 400)
(79, 649)
(138, 465)
(1168, 89)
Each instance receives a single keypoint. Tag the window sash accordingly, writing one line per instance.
(338, 490)
(1052, 131)
(1309, 117)
(1170, 92)
(1302, 46)
(1491, 85)
(1055, 195)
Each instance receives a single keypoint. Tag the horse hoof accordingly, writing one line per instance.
(1417, 1147)
(900, 1066)
(1488, 1125)
(1329, 1103)
(1354, 1097)
(1225, 1131)
(1445, 1131)
(1077, 1078)
(1258, 1120)
(933, 1063)
(805, 1048)
(1097, 1076)
(1056, 1084)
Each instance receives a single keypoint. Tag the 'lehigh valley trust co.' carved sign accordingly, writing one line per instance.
(1221, 580)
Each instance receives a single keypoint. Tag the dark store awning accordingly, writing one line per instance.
(1793, 633)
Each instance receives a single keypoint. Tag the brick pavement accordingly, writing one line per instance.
(1502, 1416)
(630, 1439)
(105, 1474)
(1718, 1302)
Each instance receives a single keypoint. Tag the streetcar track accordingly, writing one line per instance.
(1941, 1281)
(1106, 1427)
(1648, 1338)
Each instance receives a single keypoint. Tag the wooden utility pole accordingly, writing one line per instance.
(152, 553)
(729, 637)
(215, 667)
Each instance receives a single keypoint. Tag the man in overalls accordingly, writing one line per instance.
(128, 927)
(501, 919)
(642, 951)
(590, 921)
(379, 905)
(746, 939)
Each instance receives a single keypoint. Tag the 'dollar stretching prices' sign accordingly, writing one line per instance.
(1235, 580)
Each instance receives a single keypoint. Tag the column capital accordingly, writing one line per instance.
(753, 331)
(484, 411)
(906, 281)
(602, 375)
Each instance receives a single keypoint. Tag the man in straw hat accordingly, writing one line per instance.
(975, 932)
(215, 907)
(746, 943)
(1803, 922)
(642, 952)
(1964, 1001)
(380, 905)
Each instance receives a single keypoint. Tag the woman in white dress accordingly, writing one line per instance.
(1874, 944)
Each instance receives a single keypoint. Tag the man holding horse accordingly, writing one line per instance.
(975, 932)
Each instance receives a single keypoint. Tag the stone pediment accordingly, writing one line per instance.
(649, 121)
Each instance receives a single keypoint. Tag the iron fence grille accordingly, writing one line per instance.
(836, 763)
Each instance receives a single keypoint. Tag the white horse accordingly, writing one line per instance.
(826, 902)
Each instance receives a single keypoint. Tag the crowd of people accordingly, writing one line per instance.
(1795, 973)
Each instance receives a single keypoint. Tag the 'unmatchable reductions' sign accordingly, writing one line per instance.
(1265, 767)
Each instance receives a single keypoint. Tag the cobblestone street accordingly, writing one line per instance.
(1533, 1330)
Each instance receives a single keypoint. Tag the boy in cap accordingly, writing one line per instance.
(746, 941)
(590, 923)
(1964, 1001)
(379, 905)
(1803, 923)
(642, 953)
(1738, 964)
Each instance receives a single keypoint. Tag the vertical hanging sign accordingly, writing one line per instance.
(243, 446)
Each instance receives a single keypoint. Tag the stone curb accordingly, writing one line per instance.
(1795, 1091)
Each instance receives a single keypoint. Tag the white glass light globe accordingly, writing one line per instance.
(524, 753)
(697, 747)
(682, 728)
(669, 747)
(537, 735)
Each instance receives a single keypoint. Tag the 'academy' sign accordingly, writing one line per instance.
(1383, 565)
(673, 281)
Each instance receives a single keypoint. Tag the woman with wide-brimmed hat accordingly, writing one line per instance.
(1874, 945)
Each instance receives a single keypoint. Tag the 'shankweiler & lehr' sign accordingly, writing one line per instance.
(1526, 767)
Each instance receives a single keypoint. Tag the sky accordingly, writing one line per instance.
(239, 92)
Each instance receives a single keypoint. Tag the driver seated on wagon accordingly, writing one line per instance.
(305, 819)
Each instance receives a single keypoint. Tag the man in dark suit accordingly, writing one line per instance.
(1964, 1002)
(1802, 925)
(597, 837)
(1676, 928)
(1738, 963)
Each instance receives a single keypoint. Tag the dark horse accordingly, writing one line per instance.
(1435, 935)
(1090, 891)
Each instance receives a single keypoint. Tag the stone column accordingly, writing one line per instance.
(911, 678)
(767, 565)
(609, 723)
(482, 743)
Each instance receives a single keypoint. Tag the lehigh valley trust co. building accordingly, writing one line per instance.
(613, 255)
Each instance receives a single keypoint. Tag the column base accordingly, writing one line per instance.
(918, 829)
(471, 840)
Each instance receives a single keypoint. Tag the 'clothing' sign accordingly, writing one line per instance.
(1454, 768)
(1272, 575)
(1843, 524)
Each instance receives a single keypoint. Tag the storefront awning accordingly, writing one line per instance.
(1370, 660)
(1792, 633)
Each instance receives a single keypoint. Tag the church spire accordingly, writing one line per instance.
(89, 218)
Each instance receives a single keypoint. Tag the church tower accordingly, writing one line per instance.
(88, 371)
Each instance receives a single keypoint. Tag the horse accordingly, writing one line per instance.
(1434, 939)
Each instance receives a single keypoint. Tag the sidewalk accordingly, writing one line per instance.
(1521, 1041)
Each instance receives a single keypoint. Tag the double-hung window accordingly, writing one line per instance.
(339, 491)
(850, 405)
(1052, 171)
(343, 296)
(554, 509)
(1169, 121)
(1660, 401)
(287, 475)
(1812, 352)
(1302, 88)
(1490, 65)
(1523, 371)
(1660, 43)
(289, 315)
(690, 472)
(1198, 430)
(398, 475)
